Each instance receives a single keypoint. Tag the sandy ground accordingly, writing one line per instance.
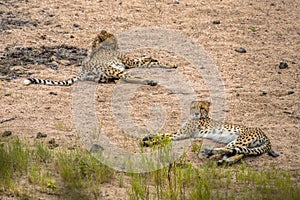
(50, 40)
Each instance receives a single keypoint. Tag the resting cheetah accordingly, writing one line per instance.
(106, 64)
(241, 141)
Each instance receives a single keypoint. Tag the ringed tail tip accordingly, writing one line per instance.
(27, 82)
(273, 153)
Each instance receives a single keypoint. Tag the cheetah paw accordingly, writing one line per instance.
(149, 82)
(207, 152)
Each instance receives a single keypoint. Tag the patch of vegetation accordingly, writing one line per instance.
(81, 173)
(253, 28)
(26, 172)
(179, 181)
(62, 127)
(14, 162)
(42, 169)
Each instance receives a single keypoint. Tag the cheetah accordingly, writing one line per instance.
(240, 140)
(106, 64)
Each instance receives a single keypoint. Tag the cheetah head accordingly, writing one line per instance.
(105, 40)
(199, 109)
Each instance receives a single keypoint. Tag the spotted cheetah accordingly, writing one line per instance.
(106, 64)
(241, 141)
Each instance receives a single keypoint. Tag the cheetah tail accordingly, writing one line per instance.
(29, 81)
(272, 153)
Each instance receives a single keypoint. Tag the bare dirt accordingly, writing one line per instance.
(49, 40)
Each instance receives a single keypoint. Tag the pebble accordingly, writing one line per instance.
(241, 50)
(53, 93)
(41, 135)
(76, 25)
(290, 92)
(52, 143)
(283, 65)
(174, 3)
(6, 133)
(263, 93)
(216, 22)
(95, 148)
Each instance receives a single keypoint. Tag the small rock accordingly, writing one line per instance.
(283, 65)
(76, 25)
(43, 37)
(241, 50)
(53, 93)
(72, 36)
(216, 22)
(52, 144)
(96, 148)
(290, 92)
(6, 133)
(52, 141)
(173, 3)
(41, 135)
(47, 23)
(263, 93)
(7, 95)
(288, 112)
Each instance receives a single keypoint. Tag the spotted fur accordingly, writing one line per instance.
(241, 141)
(106, 64)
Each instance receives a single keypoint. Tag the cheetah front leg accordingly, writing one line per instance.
(215, 153)
(136, 80)
(223, 155)
(231, 160)
(218, 151)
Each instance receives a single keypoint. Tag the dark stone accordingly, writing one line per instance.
(173, 3)
(41, 135)
(216, 22)
(241, 50)
(263, 93)
(6, 133)
(290, 92)
(96, 148)
(52, 141)
(52, 144)
(283, 65)
(53, 93)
